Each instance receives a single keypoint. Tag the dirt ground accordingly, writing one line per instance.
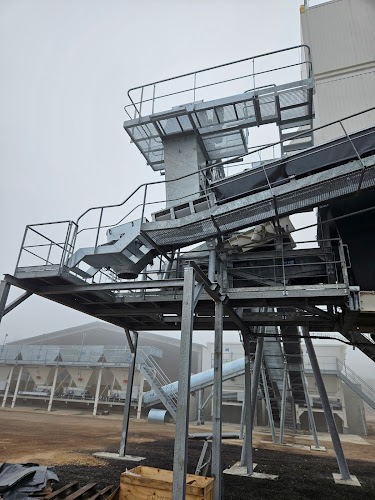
(67, 439)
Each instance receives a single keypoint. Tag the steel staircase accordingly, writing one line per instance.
(127, 252)
(157, 380)
(356, 383)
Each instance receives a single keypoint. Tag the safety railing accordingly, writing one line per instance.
(207, 84)
(90, 229)
(161, 378)
(355, 379)
(75, 355)
(52, 247)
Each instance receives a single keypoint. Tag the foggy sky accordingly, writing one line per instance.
(65, 69)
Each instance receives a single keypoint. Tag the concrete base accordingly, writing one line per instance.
(316, 448)
(351, 482)
(115, 456)
(299, 446)
(238, 470)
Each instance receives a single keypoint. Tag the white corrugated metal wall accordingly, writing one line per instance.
(341, 36)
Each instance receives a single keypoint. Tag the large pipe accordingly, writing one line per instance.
(199, 381)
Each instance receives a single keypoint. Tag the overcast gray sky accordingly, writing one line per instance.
(66, 66)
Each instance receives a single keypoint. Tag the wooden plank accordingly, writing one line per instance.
(114, 495)
(84, 491)
(102, 493)
(61, 493)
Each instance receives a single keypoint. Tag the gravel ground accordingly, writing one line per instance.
(300, 476)
(67, 440)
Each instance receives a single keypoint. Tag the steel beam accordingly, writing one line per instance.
(183, 401)
(339, 452)
(17, 302)
(216, 466)
(129, 387)
(4, 292)
(95, 287)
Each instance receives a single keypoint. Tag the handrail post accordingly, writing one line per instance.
(343, 263)
(97, 234)
(144, 204)
(22, 245)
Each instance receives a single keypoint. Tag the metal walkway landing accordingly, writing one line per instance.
(258, 95)
(218, 124)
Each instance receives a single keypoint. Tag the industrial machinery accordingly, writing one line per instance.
(217, 252)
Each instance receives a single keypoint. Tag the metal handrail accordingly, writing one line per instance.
(356, 379)
(205, 70)
(224, 163)
(163, 378)
(69, 248)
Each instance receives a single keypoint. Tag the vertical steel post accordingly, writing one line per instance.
(17, 387)
(183, 401)
(4, 292)
(309, 409)
(53, 388)
(256, 377)
(9, 380)
(339, 452)
(199, 417)
(246, 456)
(216, 467)
(242, 416)
(211, 243)
(247, 447)
(268, 404)
(140, 397)
(97, 392)
(283, 403)
(129, 387)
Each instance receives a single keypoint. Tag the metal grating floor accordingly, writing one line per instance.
(220, 123)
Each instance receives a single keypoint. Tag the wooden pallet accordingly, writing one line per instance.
(73, 491)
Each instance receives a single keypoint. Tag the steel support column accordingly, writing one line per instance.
(283, 403)
(248, 457)
(97, 392)
(211, 243)
(339, 452)
(247, 447)
(53, 388)
(242, 421)
(183, 401)
(129, 387)
(268, 404)
(216, 466)
(309, 409)
(9, 380)
(17, 387)
(140, 396)
(199, 417)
